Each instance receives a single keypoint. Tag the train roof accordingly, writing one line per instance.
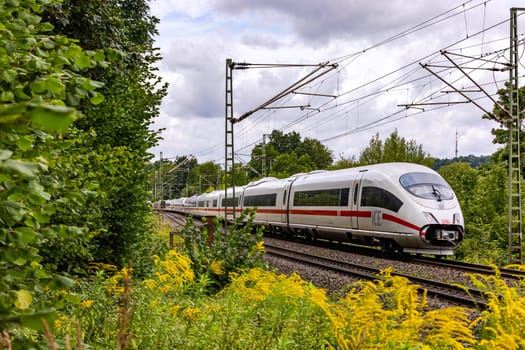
(392, 170)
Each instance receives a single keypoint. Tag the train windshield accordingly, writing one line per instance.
(427, 186)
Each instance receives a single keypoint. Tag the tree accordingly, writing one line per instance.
(482, 196)
(394, 149)
(285, 153)
(116, 134)
(289, 163)
(344, 163)
(320, 155)
(500, 115)
(40, 73)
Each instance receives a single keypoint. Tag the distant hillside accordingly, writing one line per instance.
(474, 161)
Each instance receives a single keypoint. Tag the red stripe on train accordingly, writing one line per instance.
(400, 221)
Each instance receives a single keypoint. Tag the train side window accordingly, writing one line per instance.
(230, 201)
(343, 200)
(322, 198)
(261, 200)
(378, 197)
(355, 192)
(284, 198)
(214, 203)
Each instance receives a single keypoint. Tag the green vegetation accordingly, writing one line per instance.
(80, 264)
(179, 307)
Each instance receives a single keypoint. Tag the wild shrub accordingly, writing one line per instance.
(215, 255)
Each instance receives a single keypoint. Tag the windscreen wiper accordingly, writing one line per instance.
(436, 193)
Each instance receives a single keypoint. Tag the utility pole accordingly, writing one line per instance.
(161, 179)
(515, 215)
(229, 152)
(264, 168)
(456, 153)
(229, 176)
(512, 120)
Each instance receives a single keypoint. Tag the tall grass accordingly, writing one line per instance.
(177, 307)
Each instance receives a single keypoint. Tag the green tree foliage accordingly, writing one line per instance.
(116, 135)
(174, 175)
(500, 115)
(394, 149)
(208, 176)
(482, 195)
(474, 161)
(40, 72)
(288, 164)
(286, 154)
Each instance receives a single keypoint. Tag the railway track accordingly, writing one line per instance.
(175, 219)
(463, 267)
(445, 291)
(468, 267)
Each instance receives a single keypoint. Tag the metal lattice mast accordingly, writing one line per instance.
(515, 213)
(229, 180)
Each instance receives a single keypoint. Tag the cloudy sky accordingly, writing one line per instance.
(390, 65)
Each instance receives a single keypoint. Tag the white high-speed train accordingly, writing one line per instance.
(403, 207)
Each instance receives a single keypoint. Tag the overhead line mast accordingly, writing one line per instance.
(229, 150)
(513, 122)
(515, 215)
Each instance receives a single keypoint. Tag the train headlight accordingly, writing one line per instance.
(431, 219)
(457, 219)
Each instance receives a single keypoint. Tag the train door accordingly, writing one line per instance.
(355, 198)
(285, 205)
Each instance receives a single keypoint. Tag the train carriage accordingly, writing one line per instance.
(401, 206)
(267, 195)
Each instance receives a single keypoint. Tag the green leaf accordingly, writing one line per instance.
(90, 85)
(54, 85)
(7, 96)
(83, 61)
(9, 75)
(27, 169)
(23, 299)
(13, 255)
(41, 217)
(65, 282)
(97, 98)
(24, 143)
(72, 100)
(27, 235)
(53, 118)
(11, 212)
(38, 86)
(99, 56)
(34, 320)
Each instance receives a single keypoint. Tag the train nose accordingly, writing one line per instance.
(442, 235)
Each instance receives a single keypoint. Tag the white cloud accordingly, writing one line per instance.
(196, 38)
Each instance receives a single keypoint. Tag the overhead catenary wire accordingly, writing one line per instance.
(337, 103)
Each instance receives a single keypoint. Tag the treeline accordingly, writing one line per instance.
(472, 160)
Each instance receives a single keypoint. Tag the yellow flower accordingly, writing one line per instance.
(191, 314)
(156, 259)
(162, 277)
(216, 267)
(59, 322)
(175, 309)
(259, 246)
(166, 288)
(86, 303)
(149, 283)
